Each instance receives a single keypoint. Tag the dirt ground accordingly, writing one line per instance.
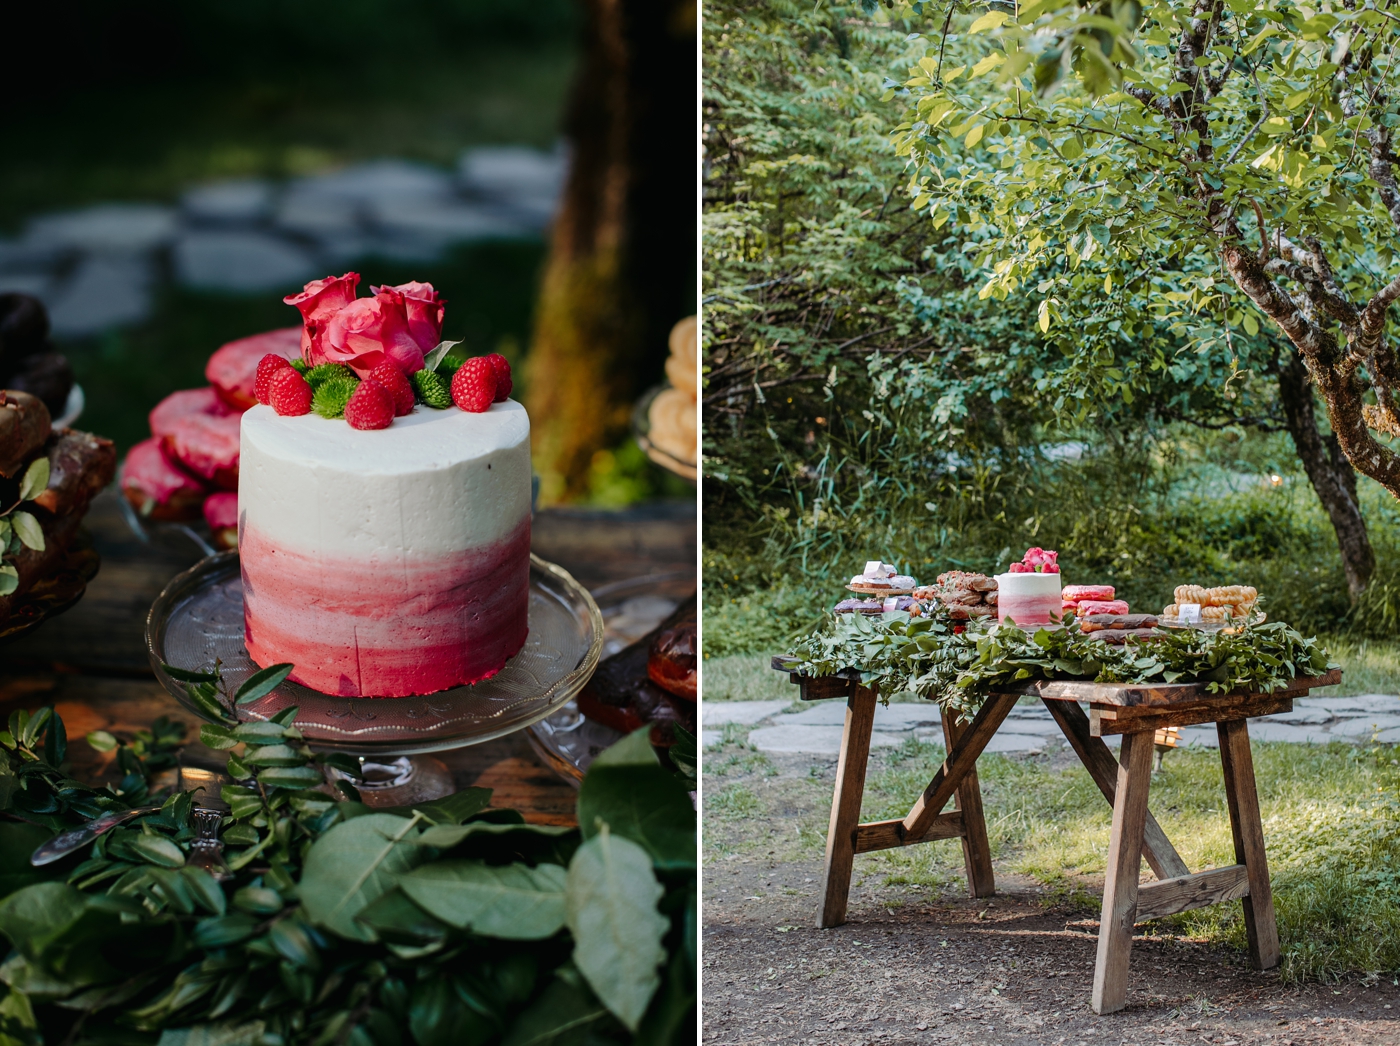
(914, 966)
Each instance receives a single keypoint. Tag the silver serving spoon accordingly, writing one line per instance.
(64, 843)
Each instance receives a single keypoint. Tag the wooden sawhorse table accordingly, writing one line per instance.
(1135, 711)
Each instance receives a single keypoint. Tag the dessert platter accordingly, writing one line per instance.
(381, 509)
(623, 695)
(1031, 594)
(49, 475)
(664, 420)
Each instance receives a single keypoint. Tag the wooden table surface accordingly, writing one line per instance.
(90, 663)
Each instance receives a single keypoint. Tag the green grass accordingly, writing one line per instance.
(744, 677)
(1369, 666)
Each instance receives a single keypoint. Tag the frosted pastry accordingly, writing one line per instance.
(681, 367)
(673, 427)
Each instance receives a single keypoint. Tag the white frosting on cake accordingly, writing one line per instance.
(1029, 584)
(434, 481)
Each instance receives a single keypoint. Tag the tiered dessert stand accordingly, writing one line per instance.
(198, 621)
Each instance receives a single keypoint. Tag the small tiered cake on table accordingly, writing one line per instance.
(383, 502)
(1029, 594)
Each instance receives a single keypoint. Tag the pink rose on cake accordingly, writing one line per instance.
(424, 308)
(1037, 561)
(399, 325)
(318, 301)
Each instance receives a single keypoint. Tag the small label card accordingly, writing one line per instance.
(1189, 613)
(890, 604)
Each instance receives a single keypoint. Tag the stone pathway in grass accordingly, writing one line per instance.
(99, 267)
(817, 729)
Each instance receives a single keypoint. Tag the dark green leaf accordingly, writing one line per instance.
(562, 1016)
(630, 791)
(512, 901)
(262, 683)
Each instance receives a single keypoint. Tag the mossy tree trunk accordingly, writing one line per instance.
(621, 267)
(1329, 472)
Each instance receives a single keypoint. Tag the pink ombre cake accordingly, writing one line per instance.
(389, 562)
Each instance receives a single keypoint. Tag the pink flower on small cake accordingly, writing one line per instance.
(399, 324)
(372, 331)
(392, 340)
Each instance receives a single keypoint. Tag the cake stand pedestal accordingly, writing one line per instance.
(198, 621)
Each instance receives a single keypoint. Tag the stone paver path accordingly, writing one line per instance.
(816, 729)
(97, 268)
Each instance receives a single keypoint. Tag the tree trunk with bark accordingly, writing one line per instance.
(1329, 472)
(621, 268)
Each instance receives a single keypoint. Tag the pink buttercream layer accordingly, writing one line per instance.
(386, 628)
(1028, 610)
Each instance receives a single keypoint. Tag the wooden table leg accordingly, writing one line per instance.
(961, 760)
(1098, 759)
(1245, 823)
(845, 806)
(977, 851)
(1120, 892)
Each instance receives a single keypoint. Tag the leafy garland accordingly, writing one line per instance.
(441, 924)
(896, 653)
(19, 529)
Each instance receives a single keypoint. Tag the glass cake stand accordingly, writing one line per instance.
(198, 619)
(566, 740)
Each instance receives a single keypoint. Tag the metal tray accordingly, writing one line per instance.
(198, 618)
(566, 740)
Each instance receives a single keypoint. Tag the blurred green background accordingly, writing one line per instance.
(143, 101)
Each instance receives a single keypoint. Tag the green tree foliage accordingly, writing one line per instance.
(1247, 145)
(861, 387)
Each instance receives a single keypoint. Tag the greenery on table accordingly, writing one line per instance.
(18, 528)
(896, 653)
(446, 922)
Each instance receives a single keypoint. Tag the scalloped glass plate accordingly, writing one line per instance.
(199, 618)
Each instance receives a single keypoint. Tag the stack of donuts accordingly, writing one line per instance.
(1226, 603)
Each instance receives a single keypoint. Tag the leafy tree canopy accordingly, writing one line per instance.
(1221, 159)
